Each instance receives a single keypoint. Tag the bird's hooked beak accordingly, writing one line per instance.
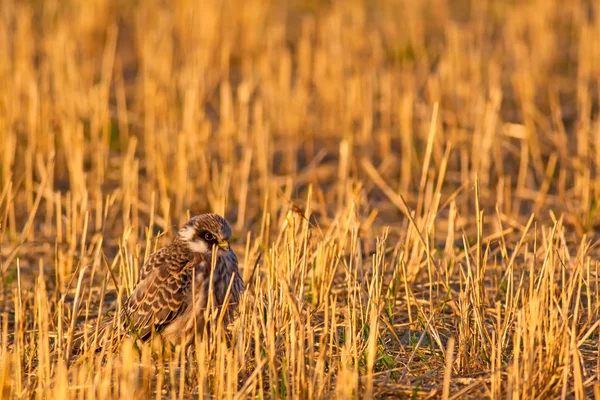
(224, 245)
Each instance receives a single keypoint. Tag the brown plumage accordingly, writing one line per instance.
(174, 287)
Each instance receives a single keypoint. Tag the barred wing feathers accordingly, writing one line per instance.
(159, 297)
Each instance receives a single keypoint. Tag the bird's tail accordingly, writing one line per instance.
(96, 336)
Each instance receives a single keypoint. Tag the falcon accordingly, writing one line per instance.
(175, 286)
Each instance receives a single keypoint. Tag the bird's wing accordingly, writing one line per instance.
(162, 257)
(158, 298)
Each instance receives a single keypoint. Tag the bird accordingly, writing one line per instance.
(174, 287)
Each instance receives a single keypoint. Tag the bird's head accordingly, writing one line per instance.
(202, 232)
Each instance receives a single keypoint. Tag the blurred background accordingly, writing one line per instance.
(237, 106)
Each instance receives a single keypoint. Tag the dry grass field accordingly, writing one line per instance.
(414, 188)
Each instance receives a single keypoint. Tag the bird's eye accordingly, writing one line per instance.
(209, 236)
